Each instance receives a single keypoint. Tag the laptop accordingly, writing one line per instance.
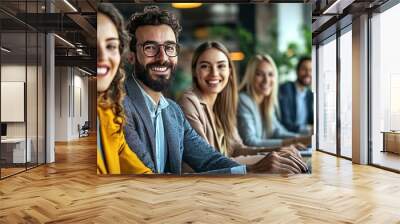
(307, 152)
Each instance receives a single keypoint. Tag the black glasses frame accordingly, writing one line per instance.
(158, 49)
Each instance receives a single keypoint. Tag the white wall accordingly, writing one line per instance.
(16, 73)
(71, 94)
(10, 73)
(81, 82)
(61, 103)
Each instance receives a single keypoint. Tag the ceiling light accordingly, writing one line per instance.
(70, 5)
(186, 5)
(65, 41)
(5, 50)
(236, 56)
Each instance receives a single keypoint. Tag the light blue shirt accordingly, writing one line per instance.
(301, 107)
(251, 127)
(156, 118)
(241, 170)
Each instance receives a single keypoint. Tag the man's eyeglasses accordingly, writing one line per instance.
(152, 49)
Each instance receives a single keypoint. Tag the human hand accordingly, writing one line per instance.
(291, 150)
(279, 162)
(299, 146)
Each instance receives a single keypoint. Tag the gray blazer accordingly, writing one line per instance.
(250, 125)
(184, 144)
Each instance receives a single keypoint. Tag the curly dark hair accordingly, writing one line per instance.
(152, 15)
(113, 96)
(301, 61)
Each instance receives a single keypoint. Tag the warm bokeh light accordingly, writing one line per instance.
(201, 33)
(186, 5)
(237, 56)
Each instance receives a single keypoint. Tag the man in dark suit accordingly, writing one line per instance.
(296, 100)
(157, 130)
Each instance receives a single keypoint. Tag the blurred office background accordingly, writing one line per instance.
(281, 30)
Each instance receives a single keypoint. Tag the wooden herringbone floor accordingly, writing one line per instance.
(69, 191)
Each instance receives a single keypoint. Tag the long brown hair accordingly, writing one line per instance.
(269, 103)
(114, 95)
(226, 103)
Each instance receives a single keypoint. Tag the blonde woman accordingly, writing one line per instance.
(113, 154)
(256, 116)
(210, 107)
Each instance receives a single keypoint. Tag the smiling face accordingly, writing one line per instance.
(264, 79)
(212, 71)
(108, 55)
(304, 73)
(156, 71)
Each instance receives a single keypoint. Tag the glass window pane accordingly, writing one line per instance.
(327, 97)
(31, 97)
(13, 85)
(385, 84)
(22, 86)
(346, 94)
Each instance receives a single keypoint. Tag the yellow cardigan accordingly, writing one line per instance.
(113, 154)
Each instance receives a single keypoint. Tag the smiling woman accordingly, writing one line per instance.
(108, 57)
(113, 154)
(257, 121)
(214, 91)
(210, 107)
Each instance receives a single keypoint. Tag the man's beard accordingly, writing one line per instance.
(302, 81)
(160, 84)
